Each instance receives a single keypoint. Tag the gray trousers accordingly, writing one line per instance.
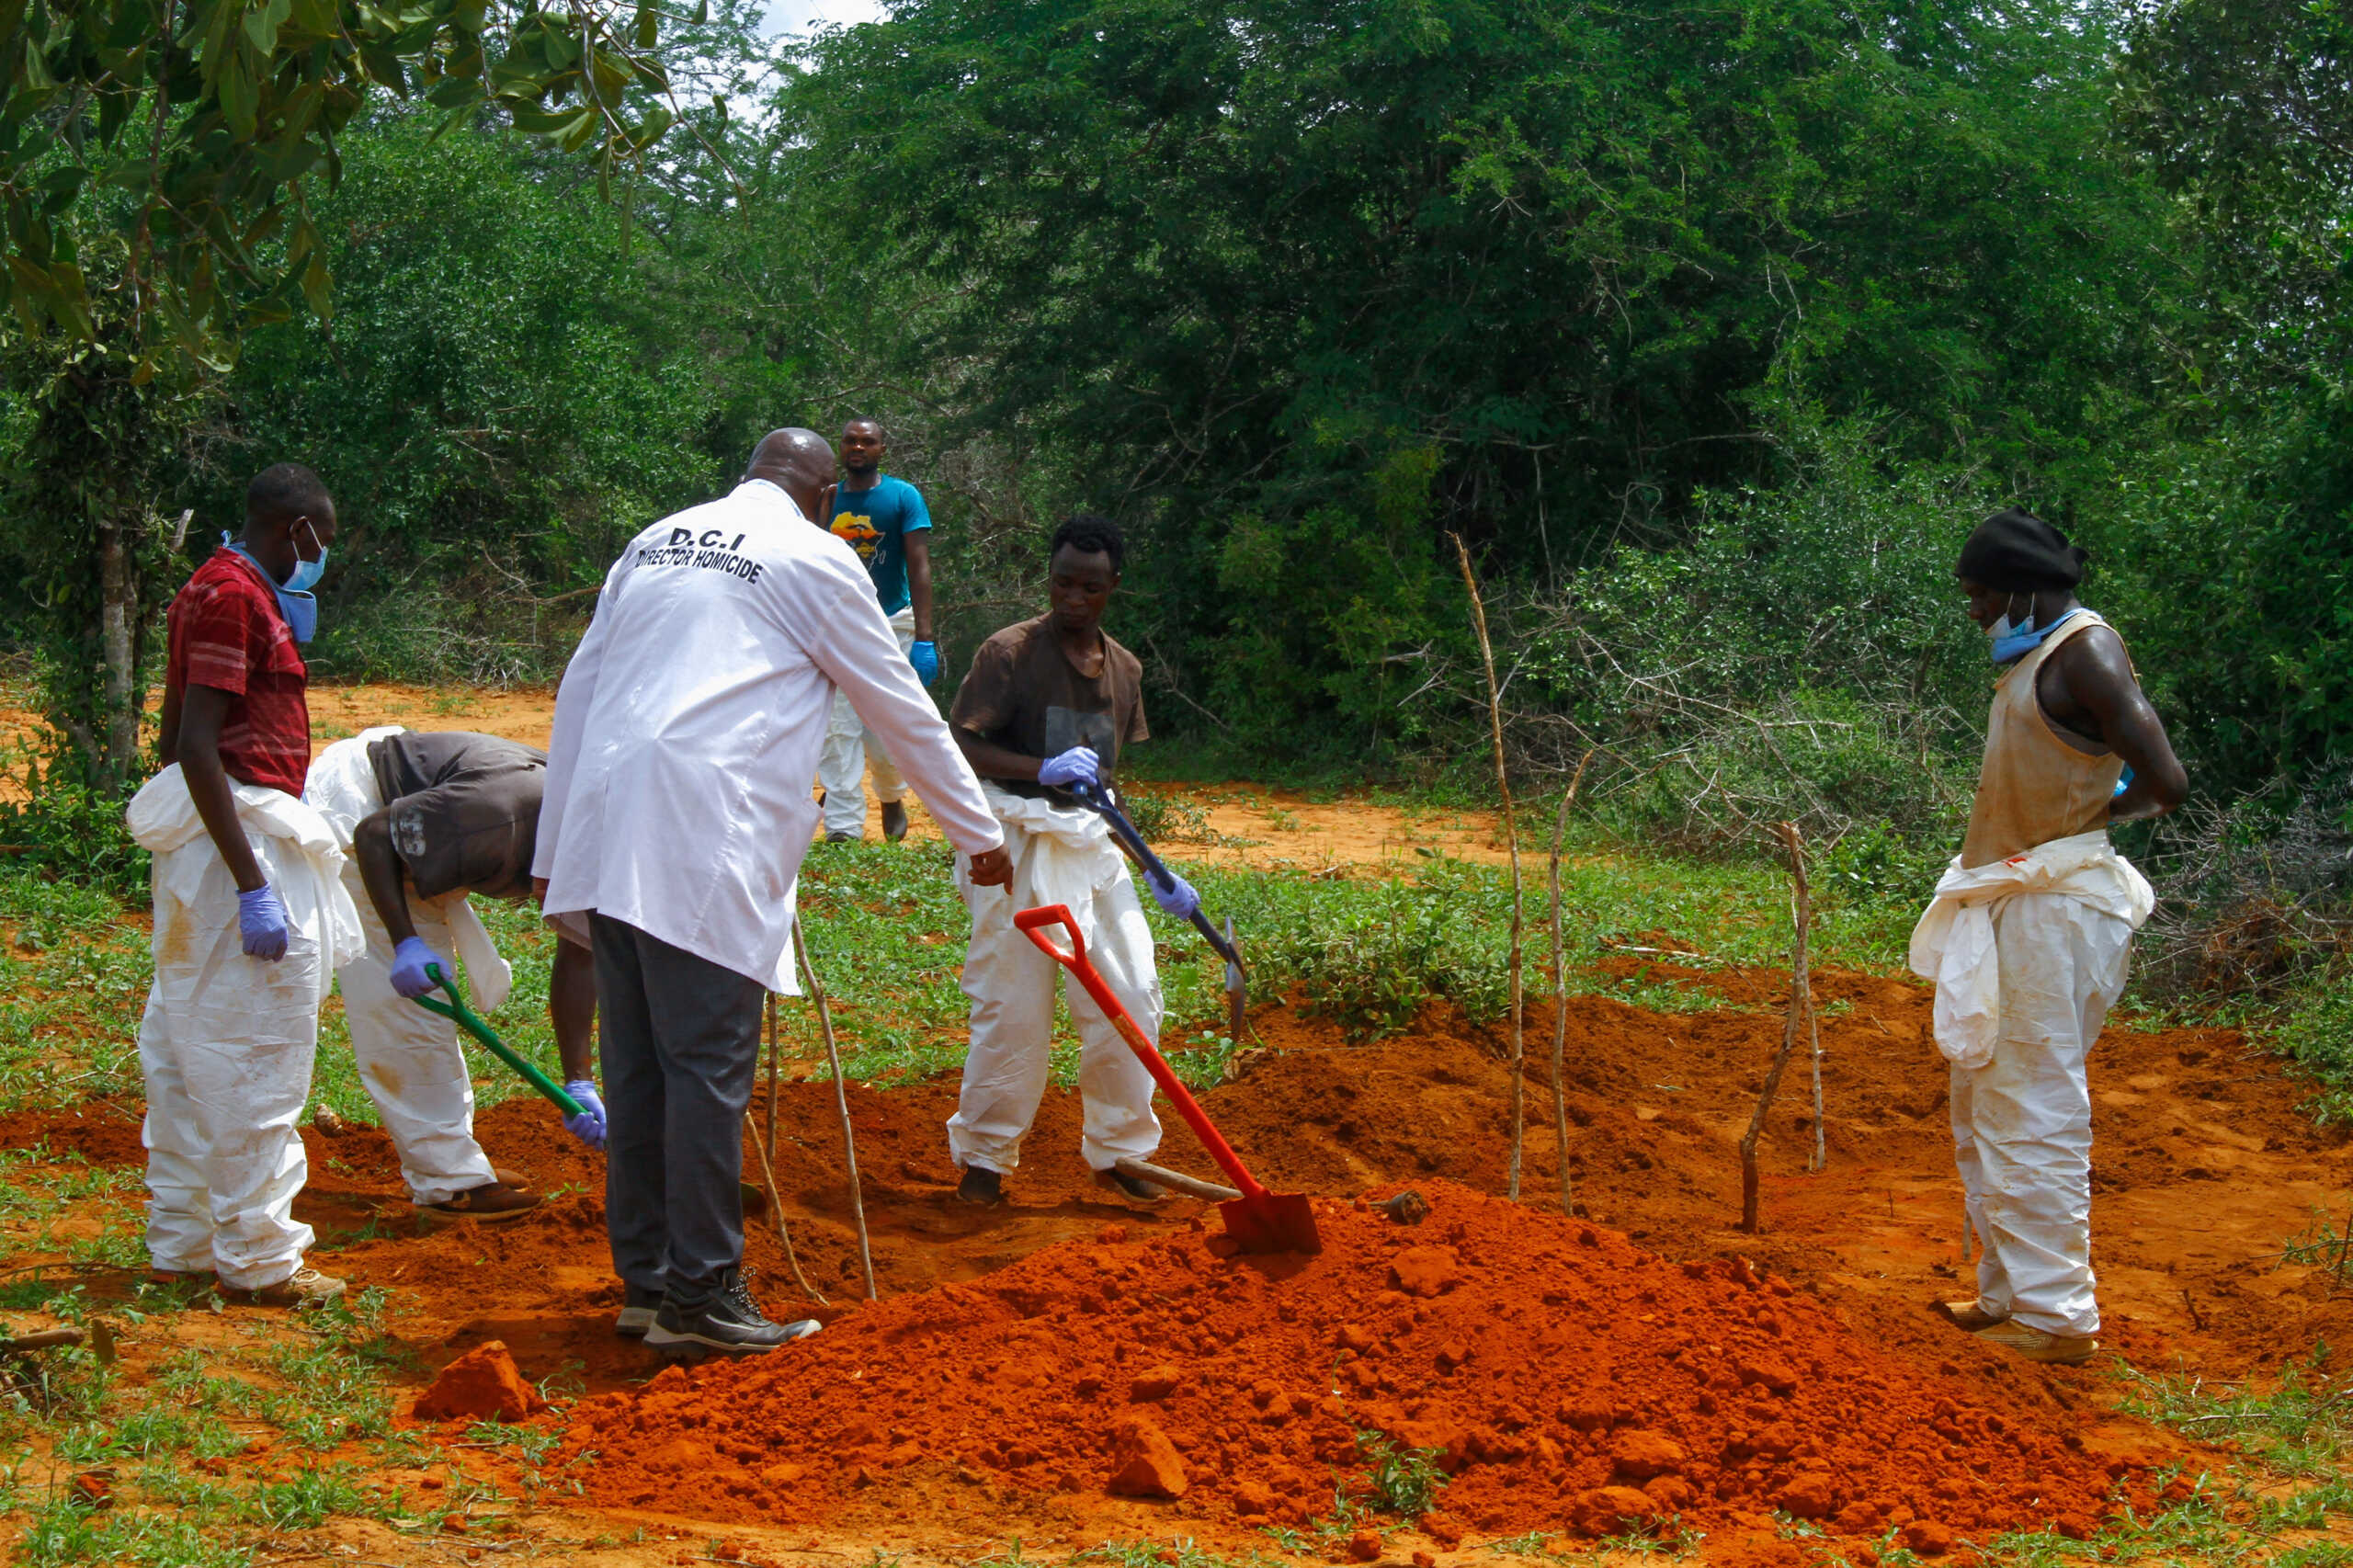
(681, 1040)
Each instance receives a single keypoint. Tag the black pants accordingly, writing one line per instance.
(681, 1040)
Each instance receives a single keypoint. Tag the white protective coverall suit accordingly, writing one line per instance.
(1061, 855)
(2027, 955)
(227, 1040)
(850, 745)
(409, 1059)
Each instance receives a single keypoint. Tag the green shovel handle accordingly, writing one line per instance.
(455, 1009)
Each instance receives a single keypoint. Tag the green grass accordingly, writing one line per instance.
(1365, 953)
(2298, 1424)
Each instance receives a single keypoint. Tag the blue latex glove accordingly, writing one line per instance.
(408, 967)
(924, 657)
(1177, 899)
(1076, 766)
(261, 921)
(589, 1125)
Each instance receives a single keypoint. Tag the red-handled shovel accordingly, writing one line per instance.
(1259, 1221)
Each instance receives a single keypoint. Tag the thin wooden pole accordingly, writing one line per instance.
(841, 1100)
(1798, 1006)
(1560, 995)
(1511, 837)
(1813, 1023)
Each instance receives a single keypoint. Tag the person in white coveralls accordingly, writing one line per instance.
(2031, 928)
(251, 914)
(1049, 703)
(428, 820)
(676, 815)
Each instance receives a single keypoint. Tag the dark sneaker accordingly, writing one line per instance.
(895, 820)
(841, 838)
(727, 1319)
(981, 1187)
(492, 1203)
(1135, 1189)
(638, 1305)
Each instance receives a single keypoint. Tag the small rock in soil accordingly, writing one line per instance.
(1145, 1462)
(1425, 1271)
(483, 1384)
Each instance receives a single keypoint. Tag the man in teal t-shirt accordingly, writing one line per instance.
(885, 522)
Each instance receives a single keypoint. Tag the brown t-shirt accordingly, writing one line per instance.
(1024, 694)
(465, 809)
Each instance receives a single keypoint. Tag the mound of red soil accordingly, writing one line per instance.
(1558, 1369)
(483, 1384)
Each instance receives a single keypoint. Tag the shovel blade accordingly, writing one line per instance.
(1278, 1221)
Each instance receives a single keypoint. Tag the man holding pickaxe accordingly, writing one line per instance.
(1041, 716)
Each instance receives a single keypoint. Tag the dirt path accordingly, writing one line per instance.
(2204, 1167)
(1237, 824)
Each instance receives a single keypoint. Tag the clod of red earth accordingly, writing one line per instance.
(1544, 1314)
(483, 1384)
(1145, 1462)
(1639, 1455)
(1425, 1271)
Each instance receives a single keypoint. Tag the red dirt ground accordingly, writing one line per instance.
(2203, 1167)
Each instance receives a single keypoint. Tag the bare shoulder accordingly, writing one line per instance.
(2096, 650)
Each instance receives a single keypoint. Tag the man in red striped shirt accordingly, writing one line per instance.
(250, 914)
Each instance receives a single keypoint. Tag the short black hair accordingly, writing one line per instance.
(1090, 533)
(867, 419)
(286, 490)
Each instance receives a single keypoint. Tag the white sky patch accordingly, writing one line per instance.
(801, 16)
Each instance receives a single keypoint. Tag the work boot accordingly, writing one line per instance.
(492, 1203)
(1135, 1189)
(894, 820)
(638, 1307)
(306, 1287)
(982, 1187)
(506, 1178)
(2053, 1349)
(1968, 1317)
(725, 1319)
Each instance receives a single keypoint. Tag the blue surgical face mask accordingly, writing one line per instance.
(298, 609)
(306, 574)
(2017, 641)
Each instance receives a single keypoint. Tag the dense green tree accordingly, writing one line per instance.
(493, 383)
(1262, 267)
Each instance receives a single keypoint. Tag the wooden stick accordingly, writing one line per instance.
(841, 1100)
(1560, 995)
(1511, 838)
(1748, 1178)
(1178, 1179)
(1813, 1023)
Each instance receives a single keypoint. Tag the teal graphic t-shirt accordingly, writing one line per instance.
(875, 523)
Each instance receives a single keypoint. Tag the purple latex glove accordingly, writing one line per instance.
(589, 1125)
(261, 921)
(409, 960)
(1077, 766)
(1177, 898)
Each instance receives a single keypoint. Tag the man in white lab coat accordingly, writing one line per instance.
(675, 817)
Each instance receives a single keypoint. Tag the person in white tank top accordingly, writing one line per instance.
(2031, 928)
